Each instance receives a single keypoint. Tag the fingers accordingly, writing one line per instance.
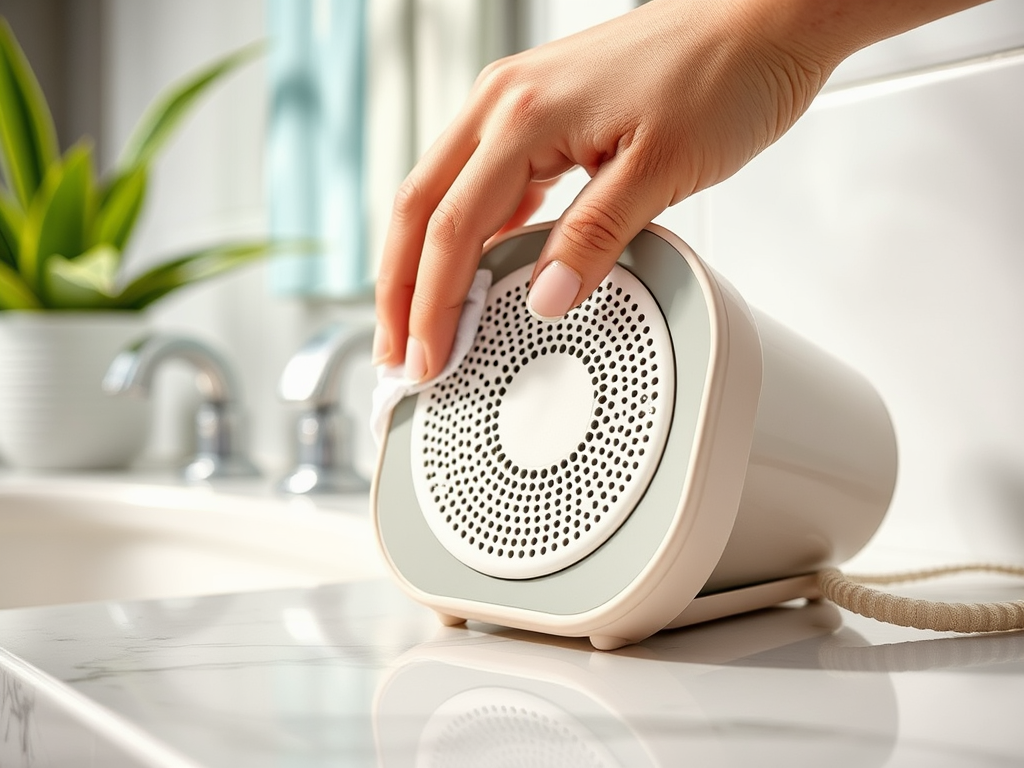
(414, 204)
(587, 240)
(492, 192)
(533, 198)
(480, 200)
(526, 119)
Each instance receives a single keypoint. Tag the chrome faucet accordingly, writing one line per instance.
(219, 419)
(312, 377)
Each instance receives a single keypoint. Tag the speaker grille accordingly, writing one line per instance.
(537, 448)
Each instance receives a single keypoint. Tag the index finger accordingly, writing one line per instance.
(414, 204)
(481, 199)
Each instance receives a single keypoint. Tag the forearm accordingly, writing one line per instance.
(831, 30)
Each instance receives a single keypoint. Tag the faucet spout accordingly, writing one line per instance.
(219, 420)
(313, 375)
(131, 372)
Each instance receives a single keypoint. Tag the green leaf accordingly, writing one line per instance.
(28, 139)
(120, 205)
(163, 115)
(88, 282)
(14, 293)
(60, 217)
(188, 269)
(11, 221)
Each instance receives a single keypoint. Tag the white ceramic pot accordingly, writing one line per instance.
(54, 414)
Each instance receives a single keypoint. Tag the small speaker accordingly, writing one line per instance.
(662, 455)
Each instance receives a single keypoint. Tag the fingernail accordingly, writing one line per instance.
(415, 360)
(381, 347)
(554, 292)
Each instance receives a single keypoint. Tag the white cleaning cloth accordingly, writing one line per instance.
(393, 384)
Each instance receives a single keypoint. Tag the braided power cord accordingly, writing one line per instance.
(851, 592)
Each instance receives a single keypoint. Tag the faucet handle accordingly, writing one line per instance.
(324, 463)
(219, 430)
(219, 420)
(324, 456)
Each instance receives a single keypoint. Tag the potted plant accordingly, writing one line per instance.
(65, 306)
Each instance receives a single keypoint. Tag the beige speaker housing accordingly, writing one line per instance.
(791, 465)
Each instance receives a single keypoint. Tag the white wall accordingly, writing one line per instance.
(886, 227)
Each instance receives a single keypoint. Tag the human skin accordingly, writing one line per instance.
(656, 105)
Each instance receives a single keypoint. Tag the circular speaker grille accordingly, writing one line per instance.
(541, 443)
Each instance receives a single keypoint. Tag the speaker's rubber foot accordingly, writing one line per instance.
(609, 643)
(448, 620)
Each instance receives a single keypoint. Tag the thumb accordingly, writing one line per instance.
(589, 237)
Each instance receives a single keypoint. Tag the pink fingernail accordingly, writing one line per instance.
(415, 360)
(381, 347)
(554, 292)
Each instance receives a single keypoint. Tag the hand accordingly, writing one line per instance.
(655, 105)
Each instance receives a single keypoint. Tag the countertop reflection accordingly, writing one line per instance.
(357, 675)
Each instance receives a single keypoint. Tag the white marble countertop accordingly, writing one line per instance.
(357, 675)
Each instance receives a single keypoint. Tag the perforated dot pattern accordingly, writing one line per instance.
(508, 728)
(540, 444)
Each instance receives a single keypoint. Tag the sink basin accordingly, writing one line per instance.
(66, 541)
